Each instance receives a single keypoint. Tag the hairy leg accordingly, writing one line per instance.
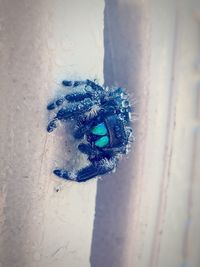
(97, 168)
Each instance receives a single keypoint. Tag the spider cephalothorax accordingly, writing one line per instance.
(101, 119)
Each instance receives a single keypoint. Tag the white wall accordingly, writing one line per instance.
(42, 43)
(147, 214)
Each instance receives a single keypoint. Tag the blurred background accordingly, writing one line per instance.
(147, 214)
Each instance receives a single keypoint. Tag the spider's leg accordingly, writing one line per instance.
(87, 82)
(77, 96)
(54, 104)
(73, 111)
(69, 83)
(95, 169)
(62, 173)
(94, 86)
(71, 97)
(52, 125)
(90, 172)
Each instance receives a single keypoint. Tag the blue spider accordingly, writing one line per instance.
(102, 118)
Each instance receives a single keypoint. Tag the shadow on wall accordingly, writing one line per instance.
(121, 68)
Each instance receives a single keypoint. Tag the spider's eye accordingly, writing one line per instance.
(102, 142)
(100, 129)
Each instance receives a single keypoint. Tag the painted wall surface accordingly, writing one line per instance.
(147, 214)
(43, 42)
(149, 210)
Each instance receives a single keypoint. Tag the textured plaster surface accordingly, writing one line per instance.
(43, 42)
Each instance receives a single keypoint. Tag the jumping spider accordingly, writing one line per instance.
(102, 118)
